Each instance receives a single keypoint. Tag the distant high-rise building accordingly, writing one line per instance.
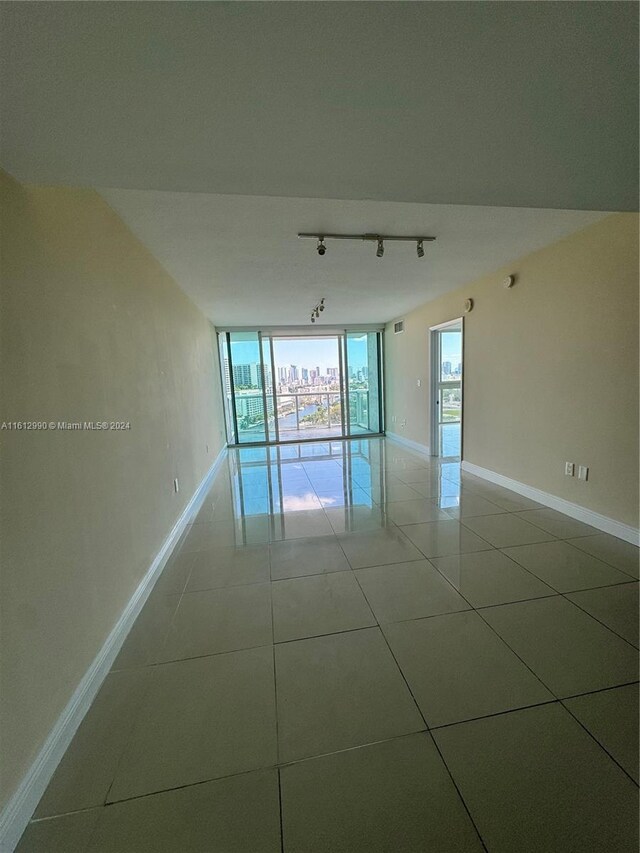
(242, 374)
(294, 373)
(247, 375)
(227, 377)
(446, 368)
(305, 374)
(283, 374)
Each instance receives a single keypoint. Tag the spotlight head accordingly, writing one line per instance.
(313, 319)
(321, 247)
(420, 249)
(321, 306)
(380, 249)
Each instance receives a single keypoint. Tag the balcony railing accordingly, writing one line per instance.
(297, 412)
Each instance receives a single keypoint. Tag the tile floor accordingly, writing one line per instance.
(355, 648)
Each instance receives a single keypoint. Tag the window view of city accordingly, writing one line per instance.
(450, 392)
(300, 390)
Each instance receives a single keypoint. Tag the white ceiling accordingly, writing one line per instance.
(484, 103)
(239, 259)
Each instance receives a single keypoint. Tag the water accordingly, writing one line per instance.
(289, 421)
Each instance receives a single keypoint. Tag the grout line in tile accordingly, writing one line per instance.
(600, 690)
(280, 811)
(601, 745)
(459, 792)
(554, 701)
(595, 618)
(570, 541)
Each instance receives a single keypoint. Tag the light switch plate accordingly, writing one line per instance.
(569, 469)
(583, 472)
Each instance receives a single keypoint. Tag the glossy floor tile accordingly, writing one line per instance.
(564, 567)
(465, 505)
(408, 591)
(458, 669)
(566, 648)
(201, 719)
(534, 780)
(614, 606)
(622, 555)
(329, 603)
(311, 556)
(557, 523)
(69, 833)
(385, 797)
(219, 620)
(321, 604)
(378, 547)
(506, 529)
(415, 512)
(611, 716)
(85, 774)
(298, 525)
(490, 577)
(228, 566)
(441, 538)
(340, 691)
(149, 631)
(240, 813)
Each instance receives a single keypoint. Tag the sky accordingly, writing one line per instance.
(307, 352)
(323, 352)
(451, 347)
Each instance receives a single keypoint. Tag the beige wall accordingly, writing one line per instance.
(92, 329)
(551, 368)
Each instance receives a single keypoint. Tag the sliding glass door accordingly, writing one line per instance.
(280, 388)
(362, 369)
(247, 385)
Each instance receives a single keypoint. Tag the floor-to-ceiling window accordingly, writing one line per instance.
(292, 387)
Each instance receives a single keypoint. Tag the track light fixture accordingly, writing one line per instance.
(315, 311)
(377, 238)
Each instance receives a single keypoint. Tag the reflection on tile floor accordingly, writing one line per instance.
(356, 648)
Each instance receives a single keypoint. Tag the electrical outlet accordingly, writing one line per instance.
(418, 383)
(176, 486)
(403, 423)
(569, 469)
(583, 472)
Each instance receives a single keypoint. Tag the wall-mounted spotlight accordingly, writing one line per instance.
(377, 238)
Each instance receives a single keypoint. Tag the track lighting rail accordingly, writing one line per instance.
(372, 237)
(321, 248)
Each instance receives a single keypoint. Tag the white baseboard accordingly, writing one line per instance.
(17, 813)
(422, 449)
(580, 513)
